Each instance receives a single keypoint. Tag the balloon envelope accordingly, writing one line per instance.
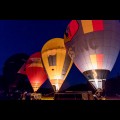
(93, 45)
(56, 62)
(22, 70)
(35, 71)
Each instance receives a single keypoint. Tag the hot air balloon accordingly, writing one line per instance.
(35, 71)
(56, 61)
(93, 45)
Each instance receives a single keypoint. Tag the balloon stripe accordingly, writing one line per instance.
(87, 26)
(97, 25)
(93, 61)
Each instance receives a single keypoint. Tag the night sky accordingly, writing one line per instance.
(28, 36)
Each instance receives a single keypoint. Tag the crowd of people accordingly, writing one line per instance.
(18, 95)
(24, 95)
(99, 94)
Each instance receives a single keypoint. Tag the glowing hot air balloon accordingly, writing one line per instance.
(93, 45)
(56, 62)
(35, 71)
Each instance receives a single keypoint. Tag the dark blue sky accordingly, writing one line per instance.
(28, 36)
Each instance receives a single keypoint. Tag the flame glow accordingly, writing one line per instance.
(96, 82)
(95, 77)
(57, 86)
(36, 82)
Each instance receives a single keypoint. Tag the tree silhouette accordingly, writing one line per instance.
(10, 69)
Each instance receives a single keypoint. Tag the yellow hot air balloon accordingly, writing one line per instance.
(56, 61)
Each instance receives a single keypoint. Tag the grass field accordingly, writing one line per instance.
(47, 98)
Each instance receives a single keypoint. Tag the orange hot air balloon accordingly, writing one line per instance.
(56, 61)
(22, 70)
(35, 71)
